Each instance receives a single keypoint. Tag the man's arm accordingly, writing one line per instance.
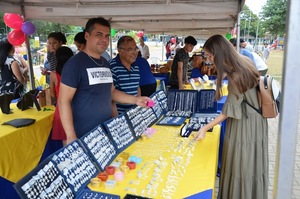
(139, 93)
(121, 97)
(179, 75)
(147, 52)
(66, 94)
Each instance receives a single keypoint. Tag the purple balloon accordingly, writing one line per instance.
(28, 28)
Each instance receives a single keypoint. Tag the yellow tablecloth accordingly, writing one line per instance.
(21, 148)
(195, 169)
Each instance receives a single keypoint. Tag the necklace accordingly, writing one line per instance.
(95, 61)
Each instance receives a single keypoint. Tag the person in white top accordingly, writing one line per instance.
(267, 50)
(144, 49)
(260, 64)
(246, 45)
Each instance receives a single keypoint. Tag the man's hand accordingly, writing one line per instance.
(71, 138)
(142, 101)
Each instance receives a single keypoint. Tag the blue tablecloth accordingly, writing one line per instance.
(222, 133)
(162, 76)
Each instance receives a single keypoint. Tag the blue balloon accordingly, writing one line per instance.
(28, 28)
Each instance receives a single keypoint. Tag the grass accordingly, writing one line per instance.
(275, 64)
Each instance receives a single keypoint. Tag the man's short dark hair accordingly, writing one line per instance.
(79, 38)
(233, 42)
(89, 27)
(124, 39)
(190, 40)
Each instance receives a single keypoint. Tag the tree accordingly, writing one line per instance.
(274, 16)
(248, 23)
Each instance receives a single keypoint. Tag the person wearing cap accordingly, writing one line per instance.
(180, 64)
(246, 45)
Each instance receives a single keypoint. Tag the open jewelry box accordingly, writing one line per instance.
(66, 173)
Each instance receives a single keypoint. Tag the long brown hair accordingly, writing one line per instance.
(240, 70)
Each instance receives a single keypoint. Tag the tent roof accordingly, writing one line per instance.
(181, 17)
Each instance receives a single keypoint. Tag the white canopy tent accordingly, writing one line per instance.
(181, 17)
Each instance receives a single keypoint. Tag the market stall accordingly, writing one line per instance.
(162, 161)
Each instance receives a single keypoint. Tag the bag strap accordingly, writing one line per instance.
(257, 110)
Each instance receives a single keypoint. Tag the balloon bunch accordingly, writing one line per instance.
(20, 27)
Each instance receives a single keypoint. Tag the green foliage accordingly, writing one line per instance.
(271, 20)
(70, 39)
(274, 14)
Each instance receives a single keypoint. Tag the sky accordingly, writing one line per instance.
(255, 5)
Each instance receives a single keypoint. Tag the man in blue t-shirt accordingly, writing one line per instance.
(86, 89)
(126, 74)
(242, 50)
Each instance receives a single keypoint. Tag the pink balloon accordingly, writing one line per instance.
(173, 40)
(16, 37)
(28, 28)
(13, 20)
(140, 33)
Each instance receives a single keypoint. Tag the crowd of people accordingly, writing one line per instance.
(90, 87)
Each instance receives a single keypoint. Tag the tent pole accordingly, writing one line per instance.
(29, 57)
(289, 115)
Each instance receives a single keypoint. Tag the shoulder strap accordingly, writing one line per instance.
(257, 110)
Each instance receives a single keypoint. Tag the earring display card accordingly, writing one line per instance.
(149, 116)
(45, 181)
(198, 120)
(140, 119)
(75, 165)
(206, 101)
(182, 100)
(101, 148)
(160, 99)
(171, 121)
(87, 194)
(120, 132)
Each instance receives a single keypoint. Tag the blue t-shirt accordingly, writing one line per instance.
(146, 76)
(247, 54)
(125, 80)
(91, 104)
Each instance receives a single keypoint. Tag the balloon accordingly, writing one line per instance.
(16, 37)
(173, 40)
(28, 28)
(140, 33)
(13, 20)
(228, 36)
(112, 32)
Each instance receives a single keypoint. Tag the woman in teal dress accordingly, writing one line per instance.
(244, 169)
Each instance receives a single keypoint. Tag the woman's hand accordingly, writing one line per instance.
(200, 135)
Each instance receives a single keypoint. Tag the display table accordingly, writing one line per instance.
(162, 77)
(22, 148)
(178, 167)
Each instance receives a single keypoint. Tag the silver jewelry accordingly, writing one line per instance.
(95, 61)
